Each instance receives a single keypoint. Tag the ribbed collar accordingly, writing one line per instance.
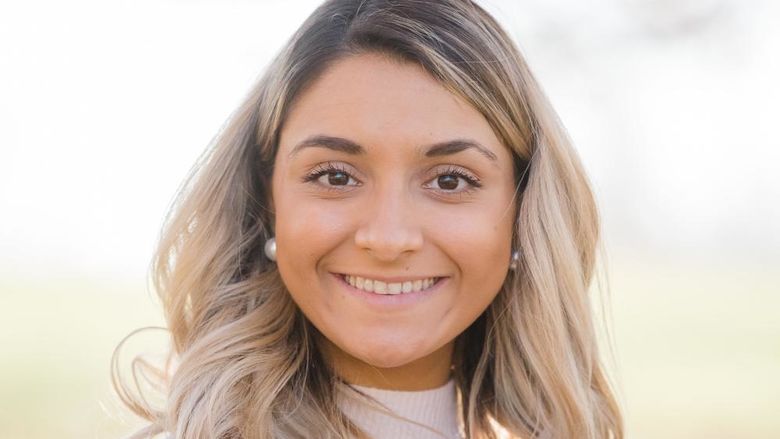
(436, 408)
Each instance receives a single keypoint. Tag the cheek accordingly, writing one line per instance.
(306, 231)
(303, 229)
(481, 238)
(480, 245)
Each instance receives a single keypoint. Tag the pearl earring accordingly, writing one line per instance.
(514, 262)
(270, 249)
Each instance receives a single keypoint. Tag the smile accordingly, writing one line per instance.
(389, 288)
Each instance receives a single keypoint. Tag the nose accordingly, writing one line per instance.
(390, 226)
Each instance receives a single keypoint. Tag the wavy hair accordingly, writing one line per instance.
(246, 365)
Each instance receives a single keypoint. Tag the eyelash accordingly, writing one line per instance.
(325, 169)
(330, 168)
(472, 180)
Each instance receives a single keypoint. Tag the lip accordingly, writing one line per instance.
(390, 301)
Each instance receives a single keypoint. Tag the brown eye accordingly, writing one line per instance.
(454, 180)
(338, 178)
(448, 182)
(331, 176)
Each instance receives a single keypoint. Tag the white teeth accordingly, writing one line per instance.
(391, 288)
(380, 287)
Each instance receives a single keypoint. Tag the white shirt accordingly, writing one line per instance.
(435, 408)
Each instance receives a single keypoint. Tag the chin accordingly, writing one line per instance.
(387, 356)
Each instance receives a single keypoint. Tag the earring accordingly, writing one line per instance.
(514, 262)
(270, 249)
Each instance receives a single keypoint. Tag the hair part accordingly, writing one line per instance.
(246, 362)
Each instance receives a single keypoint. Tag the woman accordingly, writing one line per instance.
(391, 238)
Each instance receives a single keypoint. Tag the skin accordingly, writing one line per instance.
(390, 212)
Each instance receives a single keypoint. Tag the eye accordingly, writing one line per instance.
(331, 175)
(454, 180)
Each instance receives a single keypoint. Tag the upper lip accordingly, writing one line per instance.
(390, 279)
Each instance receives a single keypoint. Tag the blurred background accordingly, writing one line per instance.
(672, 104)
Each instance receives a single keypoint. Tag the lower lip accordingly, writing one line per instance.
(389, 301)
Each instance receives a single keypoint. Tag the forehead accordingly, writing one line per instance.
(377, 102)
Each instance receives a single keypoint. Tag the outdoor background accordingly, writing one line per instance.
(672, 104)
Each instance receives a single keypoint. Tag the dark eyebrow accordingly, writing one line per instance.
(458, 145)
(347, 146)
(330, 142)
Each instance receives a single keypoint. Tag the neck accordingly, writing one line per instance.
(429, 372)
(429, 414)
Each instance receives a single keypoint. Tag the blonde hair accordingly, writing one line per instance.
(246, 363)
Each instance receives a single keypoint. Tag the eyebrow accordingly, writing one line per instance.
(349, 147)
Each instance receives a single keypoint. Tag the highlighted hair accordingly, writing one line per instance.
(245, 362)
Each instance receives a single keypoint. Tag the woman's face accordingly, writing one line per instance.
(384, 181)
